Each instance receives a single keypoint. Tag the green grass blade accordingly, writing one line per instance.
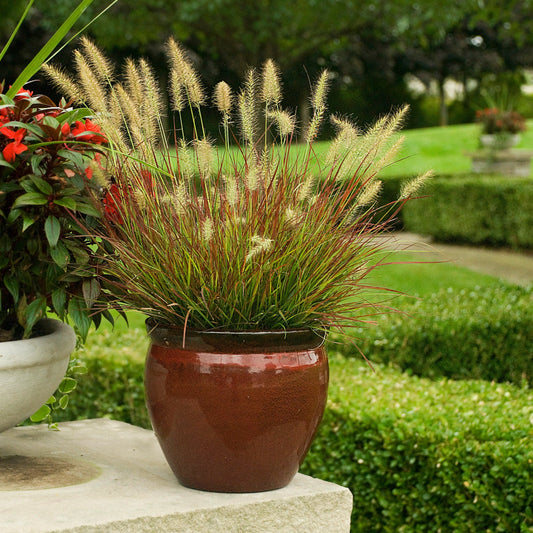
(48, 48)
(15, 31)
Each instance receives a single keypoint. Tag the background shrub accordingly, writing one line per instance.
(484, 333)
(428, 457)
(489, 210)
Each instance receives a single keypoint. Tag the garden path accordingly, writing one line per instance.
(515, 267)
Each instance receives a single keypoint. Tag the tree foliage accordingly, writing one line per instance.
(370, 46)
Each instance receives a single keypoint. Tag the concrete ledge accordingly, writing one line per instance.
(508, 162)
(107, 476)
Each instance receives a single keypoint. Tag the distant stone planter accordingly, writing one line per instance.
(515, 163)
(31, 370)
(499, 141)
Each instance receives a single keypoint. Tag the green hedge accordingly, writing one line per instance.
(488, 210)
(484, 333)
(428, 457)
(418, 456)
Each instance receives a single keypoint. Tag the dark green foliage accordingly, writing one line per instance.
(423, 456)
(488, 210)
(484, 333)
(110, 388)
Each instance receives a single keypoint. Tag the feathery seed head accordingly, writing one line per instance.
(223, 98)
(320, 92)
(204, 157)
(318, 103)
(186, 161)
(176, 91)
(133, 82)
(413, 186)
(232, 189)
(92, 88)
(259, 245)
(63, 82)
(207, 229)
(103, 68)
(305, 189)
(271, 87)
(252, 178)
(185, 73)
(370, 193)
(181, 198)
(285, 122)
(246, 102)
(292, 216)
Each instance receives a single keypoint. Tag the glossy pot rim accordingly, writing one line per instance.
(221, 340)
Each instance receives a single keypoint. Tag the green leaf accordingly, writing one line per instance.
(52, 229)
(79, 315)
(67, 385)
(67, 202)
(91, 291)
(13, 215)
(59, 300)
(34, 311)
(27, 221)
(36, 130)
(87, 209)
(31, 198)
(75, 157)
(60, 255)
(75, 114)
(63, 401)
(35, 164)
(12, 285)
(41, 414)
(79, 369)
(42, 185)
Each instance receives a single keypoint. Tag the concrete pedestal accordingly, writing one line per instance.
(508, 162)
(107, 476)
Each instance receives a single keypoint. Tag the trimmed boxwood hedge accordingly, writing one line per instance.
(488, 210)
(424, 456)
(484, 333)
(418, 456)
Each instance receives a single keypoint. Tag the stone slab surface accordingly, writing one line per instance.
(107, 476)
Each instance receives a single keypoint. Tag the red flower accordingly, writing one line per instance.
(16, 147)
(23, 93)
(65, 129)
(111, 199)
(88, 131)
(4, 116)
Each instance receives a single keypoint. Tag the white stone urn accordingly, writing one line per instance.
(499, 141)
(32, 369)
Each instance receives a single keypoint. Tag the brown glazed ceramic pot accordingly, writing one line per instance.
(235, 412)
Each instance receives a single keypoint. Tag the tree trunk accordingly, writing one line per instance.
(443, 109)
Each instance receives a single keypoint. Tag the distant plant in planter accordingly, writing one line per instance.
(241, 258)
(500, 128)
